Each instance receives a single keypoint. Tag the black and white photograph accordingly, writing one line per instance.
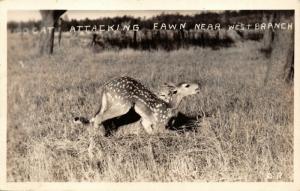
(157, 96)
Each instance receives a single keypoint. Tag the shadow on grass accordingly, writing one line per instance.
(180, 123)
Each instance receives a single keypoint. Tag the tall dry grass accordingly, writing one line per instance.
(249, 136)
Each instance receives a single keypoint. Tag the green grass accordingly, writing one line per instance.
(248, 138)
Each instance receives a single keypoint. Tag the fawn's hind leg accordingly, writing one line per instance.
(110, 108)
(111, 112)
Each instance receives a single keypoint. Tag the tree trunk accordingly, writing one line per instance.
(59, 30)
(49, 21)
(268, 42)
(268, 36)
(289, 65)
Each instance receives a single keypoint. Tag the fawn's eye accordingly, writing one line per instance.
(175, 92)
(187, 85)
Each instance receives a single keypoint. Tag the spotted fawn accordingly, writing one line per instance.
(121, 94)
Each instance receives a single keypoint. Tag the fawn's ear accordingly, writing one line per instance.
(170, 85)
(174, 92)
(172, 88)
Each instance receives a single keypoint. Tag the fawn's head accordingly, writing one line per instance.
(173, 94)
(182, 89)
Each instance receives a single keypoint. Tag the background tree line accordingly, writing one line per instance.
(272, 40)
(224, 18)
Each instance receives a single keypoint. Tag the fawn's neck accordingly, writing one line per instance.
(175, 101)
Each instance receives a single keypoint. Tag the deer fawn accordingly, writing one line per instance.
(121, 94)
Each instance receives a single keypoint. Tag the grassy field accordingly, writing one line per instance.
(249, 136)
